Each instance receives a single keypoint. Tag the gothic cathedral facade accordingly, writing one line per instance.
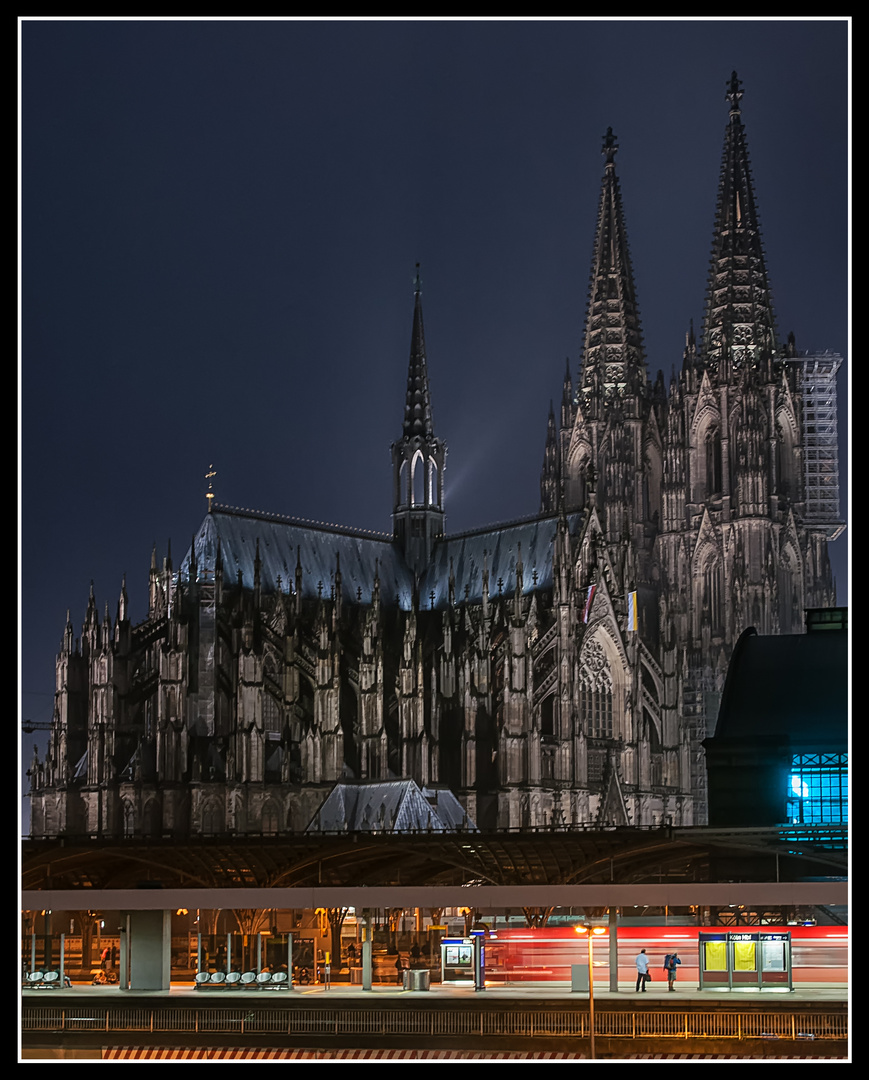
(558, 671)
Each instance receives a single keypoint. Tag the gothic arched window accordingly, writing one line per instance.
(577, 479)
(272, 714)
(417, 480)
(270, 819)
(547, 715)
(129, 818)
(712, 597)
(652, 475)
(790, 607)
(786, 471)
(713, 462)
(210, 819)
(151, 819)
(596, 692)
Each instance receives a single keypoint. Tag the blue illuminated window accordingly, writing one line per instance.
(818, 789)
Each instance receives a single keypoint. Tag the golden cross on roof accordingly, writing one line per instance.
(210, 494)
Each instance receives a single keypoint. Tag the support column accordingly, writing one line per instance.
(147, 950)
(613, 914)
(366, 952)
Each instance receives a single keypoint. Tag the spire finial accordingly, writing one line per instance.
(734, 94)
(609, 146)
(209, 495)
(417, 282)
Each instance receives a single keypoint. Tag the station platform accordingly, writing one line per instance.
(657, 993)
(346, 1022)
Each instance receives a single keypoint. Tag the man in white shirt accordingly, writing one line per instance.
(642, 963)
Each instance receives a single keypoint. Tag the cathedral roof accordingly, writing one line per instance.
(390, 806)
(498, 549)
(284, 543)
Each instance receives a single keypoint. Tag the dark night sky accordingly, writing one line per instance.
(219, 226)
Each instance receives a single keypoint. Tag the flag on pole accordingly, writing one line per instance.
(632, 611)
(588, 599)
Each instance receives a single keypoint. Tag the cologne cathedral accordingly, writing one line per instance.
(557, 671)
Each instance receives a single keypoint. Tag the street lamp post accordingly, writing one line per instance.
(590, 932)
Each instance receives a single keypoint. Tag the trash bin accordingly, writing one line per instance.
(417, 979)
(356, 976)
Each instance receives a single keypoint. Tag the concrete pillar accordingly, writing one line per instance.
(146, 950)
(613, 913)
(366, 953)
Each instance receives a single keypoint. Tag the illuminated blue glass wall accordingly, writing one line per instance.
(818, 789)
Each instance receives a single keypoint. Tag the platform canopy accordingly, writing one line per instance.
(459, 859)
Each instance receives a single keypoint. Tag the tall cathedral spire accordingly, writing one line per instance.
(418, 457)
(613, 354)
(738, 324)
(549, 477)
(417, 406)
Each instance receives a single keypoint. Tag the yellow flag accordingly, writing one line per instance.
(632, 611)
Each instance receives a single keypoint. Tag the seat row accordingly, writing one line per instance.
(44, 980)
(248, 980)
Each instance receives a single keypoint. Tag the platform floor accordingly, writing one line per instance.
(657, 994)
(346, 1000)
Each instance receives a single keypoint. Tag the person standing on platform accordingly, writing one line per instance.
(642, 962)
(671, 962)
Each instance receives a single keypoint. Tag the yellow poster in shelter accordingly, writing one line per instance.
(744, 956)
(715, 956)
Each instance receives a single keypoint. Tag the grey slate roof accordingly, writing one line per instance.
(284, 541)
(390, 806)
(502, 545)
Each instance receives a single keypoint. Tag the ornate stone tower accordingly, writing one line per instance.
(698, 492)
(418, 458)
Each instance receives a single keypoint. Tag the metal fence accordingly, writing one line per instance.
(436, 1022)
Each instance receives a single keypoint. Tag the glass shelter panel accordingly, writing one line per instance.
(744, 959)
(714, 969)
(775, 960)
(457, 960)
